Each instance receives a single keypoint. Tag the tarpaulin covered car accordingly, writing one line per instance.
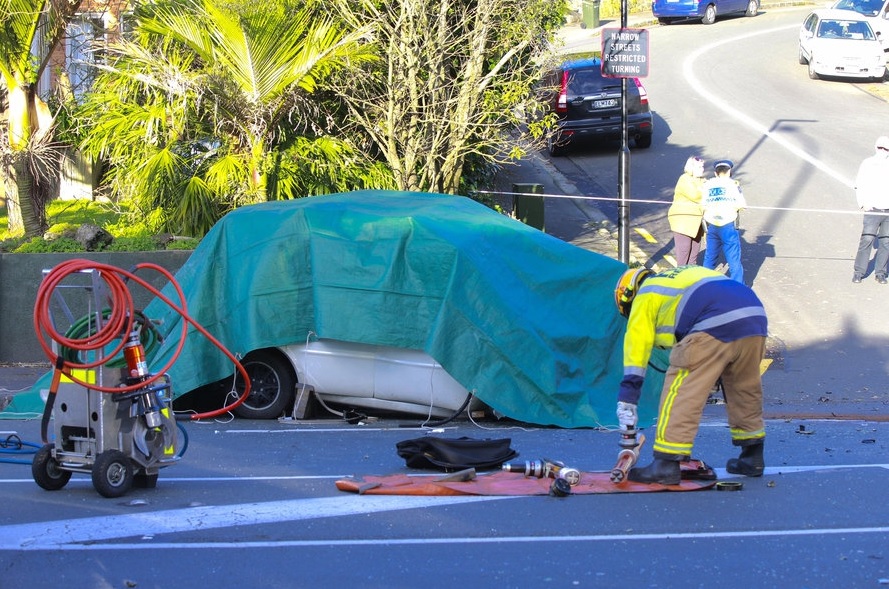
(525, 321)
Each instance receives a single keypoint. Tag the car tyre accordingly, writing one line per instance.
(709, 15)
(664, 21)
(812, 73)
(643, 141)
(272, 385)
(802, 58)
(752, 8)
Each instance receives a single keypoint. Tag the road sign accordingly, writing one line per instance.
(625, 53)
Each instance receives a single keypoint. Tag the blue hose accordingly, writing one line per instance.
(14, 446)
(184, 439)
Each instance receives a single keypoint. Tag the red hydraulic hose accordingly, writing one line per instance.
(118, 324)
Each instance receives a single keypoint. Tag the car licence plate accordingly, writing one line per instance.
(605, 103)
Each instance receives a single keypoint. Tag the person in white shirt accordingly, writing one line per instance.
(872, 194)
(722, 201)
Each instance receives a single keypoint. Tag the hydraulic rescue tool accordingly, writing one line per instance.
(112, 418)
(545, 468)
(630, 444)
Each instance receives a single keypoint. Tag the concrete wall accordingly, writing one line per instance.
(20, 277)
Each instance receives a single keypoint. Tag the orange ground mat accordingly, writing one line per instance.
(696, 476)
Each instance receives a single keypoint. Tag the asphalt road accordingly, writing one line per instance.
(253, 504)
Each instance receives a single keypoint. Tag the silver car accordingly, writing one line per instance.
(342, 373)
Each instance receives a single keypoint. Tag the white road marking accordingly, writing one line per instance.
(388, 542)
(56, 534)
(97, 533)
(744, 118)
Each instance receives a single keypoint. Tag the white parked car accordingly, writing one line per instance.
(840, 43)
(875, 12)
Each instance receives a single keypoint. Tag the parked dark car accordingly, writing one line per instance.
(706, 11)
(588, 106)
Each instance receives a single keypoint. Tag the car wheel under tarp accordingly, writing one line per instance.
(272, 385)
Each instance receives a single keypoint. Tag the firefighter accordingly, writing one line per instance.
(715, 328)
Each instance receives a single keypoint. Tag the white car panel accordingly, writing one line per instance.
(381, 377)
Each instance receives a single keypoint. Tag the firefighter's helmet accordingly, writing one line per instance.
(627, 287)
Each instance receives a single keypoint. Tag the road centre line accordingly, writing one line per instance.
(688, 65)
(330, 430)
(646, 235)
(532, 429)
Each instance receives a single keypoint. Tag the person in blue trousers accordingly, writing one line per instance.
(721, 202)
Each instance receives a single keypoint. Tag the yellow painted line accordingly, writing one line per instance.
(670, 259)
(764, 365)
(646, 235)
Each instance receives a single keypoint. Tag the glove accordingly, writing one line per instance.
(626, 415)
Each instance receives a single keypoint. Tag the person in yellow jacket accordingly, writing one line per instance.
(715, 328)
(686, 214)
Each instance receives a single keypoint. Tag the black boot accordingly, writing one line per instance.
(665, 472)
(750, 463)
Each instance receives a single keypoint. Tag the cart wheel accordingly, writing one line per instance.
(46, 470)
(112, 474)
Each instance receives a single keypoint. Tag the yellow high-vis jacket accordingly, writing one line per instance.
(672, 304)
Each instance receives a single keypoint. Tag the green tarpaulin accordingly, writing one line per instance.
(521, 318)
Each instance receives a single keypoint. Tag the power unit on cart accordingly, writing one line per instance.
(120, 438)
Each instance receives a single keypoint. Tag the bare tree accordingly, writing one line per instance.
(450, 78)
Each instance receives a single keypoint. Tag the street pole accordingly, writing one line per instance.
(623, 165)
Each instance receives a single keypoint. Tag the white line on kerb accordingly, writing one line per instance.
(687, 68)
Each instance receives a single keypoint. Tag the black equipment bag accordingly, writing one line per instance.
(450, 454)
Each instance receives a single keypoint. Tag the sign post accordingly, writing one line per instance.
(624, 55)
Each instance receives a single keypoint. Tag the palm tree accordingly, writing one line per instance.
(31, 158)
(204, 110)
